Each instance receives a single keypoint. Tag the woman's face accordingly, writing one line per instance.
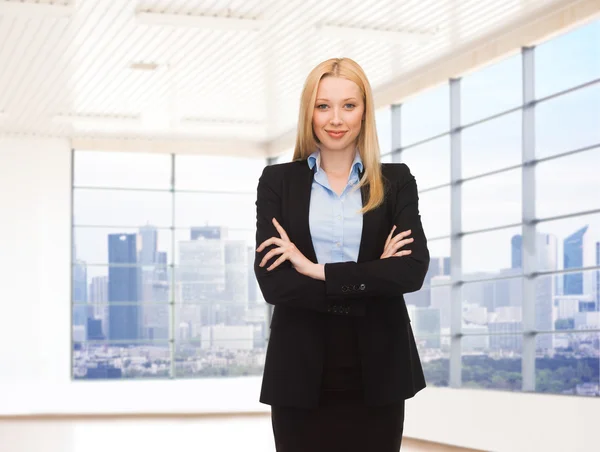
(338, 108)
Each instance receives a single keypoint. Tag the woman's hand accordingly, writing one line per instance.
(392, 245)
(288, 252)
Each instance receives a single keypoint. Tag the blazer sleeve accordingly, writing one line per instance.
(395, 275)
(284, 285)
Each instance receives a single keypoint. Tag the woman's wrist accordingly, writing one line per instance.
(315, 271)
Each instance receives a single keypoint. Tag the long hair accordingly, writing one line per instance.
(367, 142)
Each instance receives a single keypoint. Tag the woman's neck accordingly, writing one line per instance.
(337, 163)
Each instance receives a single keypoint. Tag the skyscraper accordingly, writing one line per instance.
(579, 252)
(80, 296)
(124, 321)
(153, 290)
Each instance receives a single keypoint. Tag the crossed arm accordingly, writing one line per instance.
(292, 280)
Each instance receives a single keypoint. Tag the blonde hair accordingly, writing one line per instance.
(367, 142)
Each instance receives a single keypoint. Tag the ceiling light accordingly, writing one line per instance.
(42, 10)
(198, 21)
(97, 121)
(221, 121)
(372, 34)
(144, 66)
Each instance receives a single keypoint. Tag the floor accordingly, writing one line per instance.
(152, 434)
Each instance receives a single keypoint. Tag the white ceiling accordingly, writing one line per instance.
(209, 84)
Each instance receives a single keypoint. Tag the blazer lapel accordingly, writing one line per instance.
(371, 221)
(301, 186)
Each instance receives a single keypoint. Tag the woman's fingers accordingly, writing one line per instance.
(270, 254)
(272, 241)
(277, 262)
(393, 244)
(280, 229)
(402, 235)
(396, 246)
(389, 237)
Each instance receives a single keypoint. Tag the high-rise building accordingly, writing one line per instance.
(235, 299)
(578, 252)
(546, 253)
(426, 326)
(98, 290)
(80, 294)
(153, 292)
(516, 246)
(201, 283)
(438, 266)
(123, 282)
(208, 232)
(252, 284)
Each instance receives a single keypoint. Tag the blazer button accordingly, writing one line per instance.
(344, 288)
(363, 287)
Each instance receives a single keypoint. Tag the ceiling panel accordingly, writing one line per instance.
(202, 82)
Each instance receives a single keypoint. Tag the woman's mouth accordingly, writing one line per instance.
(336, 134)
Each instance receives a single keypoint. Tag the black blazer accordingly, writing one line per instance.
(370, 289)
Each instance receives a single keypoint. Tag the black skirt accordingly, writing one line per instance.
(341, 423)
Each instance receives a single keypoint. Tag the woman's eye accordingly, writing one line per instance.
(351, 105)
(321, 105)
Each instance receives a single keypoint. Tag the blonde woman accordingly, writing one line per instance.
(339, 241)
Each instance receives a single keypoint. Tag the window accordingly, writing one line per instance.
(512, 275)
(568, 60)
(426, 115)
(163, 280)
(492, 90)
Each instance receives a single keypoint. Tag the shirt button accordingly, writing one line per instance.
(339, 217)
(338, 244)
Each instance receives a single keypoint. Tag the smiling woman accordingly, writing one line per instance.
(339, 242)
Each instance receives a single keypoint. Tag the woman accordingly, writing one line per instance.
(339, 241)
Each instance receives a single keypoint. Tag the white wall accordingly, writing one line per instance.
(35, 200)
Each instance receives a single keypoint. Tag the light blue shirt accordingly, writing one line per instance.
(335, 221)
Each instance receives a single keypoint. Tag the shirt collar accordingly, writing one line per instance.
(314, 159)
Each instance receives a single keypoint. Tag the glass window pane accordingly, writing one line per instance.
(98, 207)
(492, 201)
(104, 360)
(99, 321)
(153, 245)
(425, 115)
(492, 90)
(122, 170)
(568, 122)
(568, 301)
(568, 184)
(283, 158)
(568, 60)
(492, 145)
(220, 351)
(435, 361)
(383, 121)
(120, 283)
(207, 209)
(429, 162)
(490, 254)
(186, 240)
(568, 243)
(387, 158)
(217, 173)
(491, 362)
(495, 305)
(434, 207)
(569, 365)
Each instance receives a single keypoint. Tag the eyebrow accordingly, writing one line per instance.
(327, 100)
